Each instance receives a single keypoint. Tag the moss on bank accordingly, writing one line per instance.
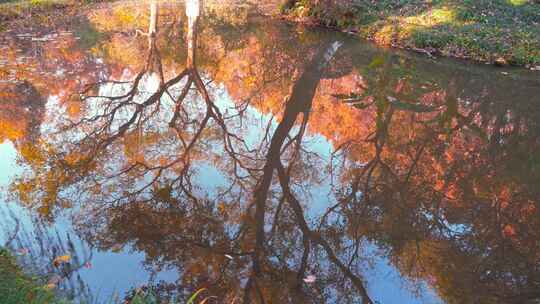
(17, 287)
(497, 31)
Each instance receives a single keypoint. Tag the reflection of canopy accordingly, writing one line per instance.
(418, 168)
(21, 112)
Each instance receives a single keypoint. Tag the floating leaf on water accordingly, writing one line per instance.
(64, 258)
(50, 286)
(310, 279)
(116, 248)
(23, 251)
(61, 259)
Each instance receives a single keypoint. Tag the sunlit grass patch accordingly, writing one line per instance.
(483, 30)
(433, 17)
(518, 2)
(421, 28)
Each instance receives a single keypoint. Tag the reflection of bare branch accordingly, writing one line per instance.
(14, 233)
(315, 237)
(299, 102)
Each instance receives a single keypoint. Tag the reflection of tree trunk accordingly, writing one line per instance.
(300, 101)
(316, 238)
(154, 58)
(152, 29)
(192, 12)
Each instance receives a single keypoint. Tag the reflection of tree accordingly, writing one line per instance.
(444, 204)
(431, 173)
(299, 102)
(21, 113)
(164, 185)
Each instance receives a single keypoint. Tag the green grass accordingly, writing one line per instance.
(10, 10)
(17, 287)
(482, 30)
(148, 297)
(38, 12)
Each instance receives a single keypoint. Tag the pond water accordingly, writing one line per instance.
(171, 147)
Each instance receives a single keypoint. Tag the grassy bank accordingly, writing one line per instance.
(10, 10)
(24, 13)
(496, 31)
(18, 288)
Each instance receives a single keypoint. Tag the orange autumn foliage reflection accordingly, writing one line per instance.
(428, 167)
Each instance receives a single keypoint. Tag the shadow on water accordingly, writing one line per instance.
(270, 163)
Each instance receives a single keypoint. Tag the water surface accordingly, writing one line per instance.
(168, 148)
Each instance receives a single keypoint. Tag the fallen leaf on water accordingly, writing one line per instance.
(61, 259)
(310, 279)
(64, 258)
(23, 251)
(116, 248)
(50, 286)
